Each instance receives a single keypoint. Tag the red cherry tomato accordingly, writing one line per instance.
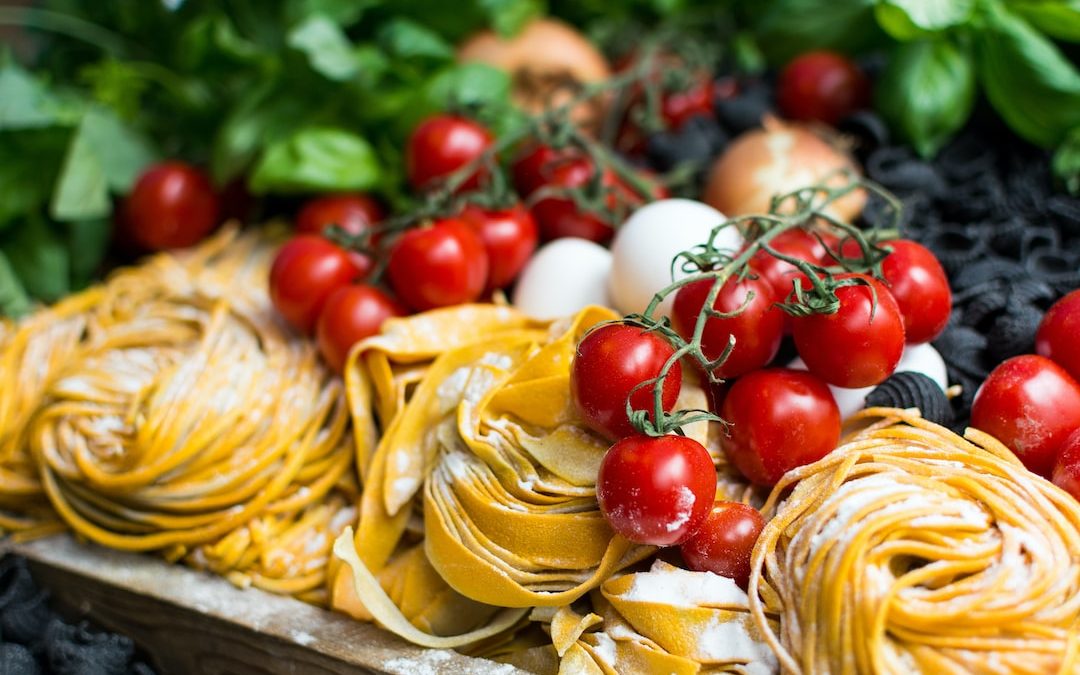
(780, 419)
(560, 216)
(350, 314)
(779, 273)
(352, 212)
(532, 168)
(1030, 404)
(919, 285)
(678, 107)
(860, 344)
(1067, 468)
(758, 329)
(305, 272)
(510, 237)
(172, 205)
(437, 266)
(443, 144)
(1058, 337)
(724, 541)
(656, 491)
(612, 360)
(822, 86)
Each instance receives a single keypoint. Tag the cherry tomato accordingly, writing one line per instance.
(822, 86)
(1067, 468)
(510, 237)
(724, 541)
(780, 274)
(919, 285)
(780, 419)
(656, 491)
(437, 266)
(560, 216)
(443, 144)
(1058, 337)
(350, 314)
(758, 329)
(610, 361)
(172, 205)
(305, 272)
(678, 107)
(860, 344)
(352, 212)
(532, 168)
(1030, 404)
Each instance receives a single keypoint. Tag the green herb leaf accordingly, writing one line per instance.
(40, 259)
(14, 302)
(507, 17)
(29, 163)
(87, 244)
(327, 48)
(1057, 18)
(317, 159)
(341, 12)
(927, 92)
(1066, 163)
(405, 38)
(917, 19)
(1027, 79)
(26, 103)
(786, 28)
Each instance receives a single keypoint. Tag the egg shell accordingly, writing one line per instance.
(563, 277)
(917, 359)
(648, 241)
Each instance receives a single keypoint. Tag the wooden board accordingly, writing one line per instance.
(192, 622)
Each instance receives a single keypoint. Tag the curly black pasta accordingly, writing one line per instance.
(913, 390)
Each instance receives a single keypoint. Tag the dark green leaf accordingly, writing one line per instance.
(917, 19)
(26, 103)
(87, 243)
(327, 48)
(29, 163)
(469, 85)
(341, 12)
(40, 259)
(13, 299)
(317, 159)
(927, 92)
(212, 35)
(1027, 79)
(507, 17)
(1066, 163)
(1057, 18)
(405, 38)
(786, 28)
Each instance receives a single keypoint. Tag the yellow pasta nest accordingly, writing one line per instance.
(911, 549)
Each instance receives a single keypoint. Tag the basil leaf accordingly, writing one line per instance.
(14, 302)
(317, 159)
(927, 92)
(1057, 18)
(29, 162)
(1031, 84)
(87, 244)
(328, 50)
(26, 103)
(915, 19)
(104, 154)
(405, 38)
(40, 259)
(1066, 163)
(507, 17)
(341, 12)
(787, 28)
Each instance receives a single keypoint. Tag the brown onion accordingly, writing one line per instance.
(777, 159)
(548, 61)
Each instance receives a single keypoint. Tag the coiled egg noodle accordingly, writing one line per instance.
(912, 549)
(188, 416)
(483, 482)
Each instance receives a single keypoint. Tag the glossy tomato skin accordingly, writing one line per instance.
(438, 266)
(724, 541)
(779, 273)
(1067, 467)
(532, 168)
(1030, 404)
(172, 205)
(352, 313)
(305, 272)
(849, 348)
(560, 216)
(758, 329)
(780, 419)
(442, 144)
(656, 491)
(510, 237)
(918, 283)
(822, 86)
(678, 107)
(1058, 337)
(609, 362)
(352, 212)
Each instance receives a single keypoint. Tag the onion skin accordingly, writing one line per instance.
(548, 61)
(777, 159)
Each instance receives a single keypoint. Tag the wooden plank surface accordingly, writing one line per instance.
(193, 622)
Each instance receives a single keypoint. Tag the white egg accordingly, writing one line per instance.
(563, 277)
(917, 359)
(648, 241)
